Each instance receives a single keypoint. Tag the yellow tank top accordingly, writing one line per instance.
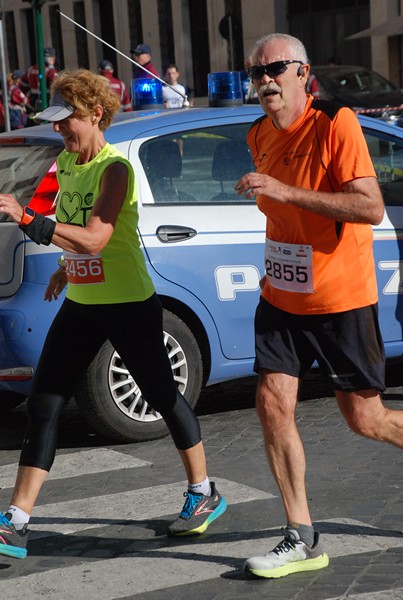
(124, 276)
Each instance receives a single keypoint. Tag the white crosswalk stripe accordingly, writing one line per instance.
(383, 595)
(87, 462)
(147, 503)
(175, 565)
(146, 566)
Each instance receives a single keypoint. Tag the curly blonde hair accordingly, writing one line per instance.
(85, 90)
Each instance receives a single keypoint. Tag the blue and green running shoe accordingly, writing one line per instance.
(12, 542)
(198, 512)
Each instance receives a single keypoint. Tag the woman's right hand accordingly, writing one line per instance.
(57, 282)
(10, 206)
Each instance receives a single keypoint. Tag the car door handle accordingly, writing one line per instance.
(174, 233)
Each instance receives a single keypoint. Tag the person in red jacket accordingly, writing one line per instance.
(15, 94)
(30, 79)
(19, 103)
(312, 86)
(142, 55)
(106, 69)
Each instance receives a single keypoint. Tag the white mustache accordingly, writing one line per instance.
(269, 87)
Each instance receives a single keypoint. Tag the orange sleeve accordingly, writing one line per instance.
(349, 148)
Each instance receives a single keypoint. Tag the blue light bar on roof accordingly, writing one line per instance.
(146, 93)
(224, 89)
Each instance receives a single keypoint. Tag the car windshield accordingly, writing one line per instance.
(22, 169)
(341, 82)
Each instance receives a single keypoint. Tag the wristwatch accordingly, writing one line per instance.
(28, 216)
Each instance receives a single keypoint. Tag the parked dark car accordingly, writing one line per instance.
(363, 90)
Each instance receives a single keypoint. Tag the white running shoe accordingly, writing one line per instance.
(291, 555)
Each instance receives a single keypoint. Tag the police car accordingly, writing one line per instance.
(203, 246)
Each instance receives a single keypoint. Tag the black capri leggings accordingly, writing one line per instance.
(74, 338)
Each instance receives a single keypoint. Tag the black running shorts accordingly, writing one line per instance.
(347, 346)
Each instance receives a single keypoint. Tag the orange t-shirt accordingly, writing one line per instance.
(319, 151)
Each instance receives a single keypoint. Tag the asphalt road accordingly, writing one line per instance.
(98, 531)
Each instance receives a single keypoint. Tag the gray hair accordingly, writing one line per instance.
(297, 48)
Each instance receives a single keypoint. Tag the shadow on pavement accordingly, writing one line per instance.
(220, 398)
(240, 393)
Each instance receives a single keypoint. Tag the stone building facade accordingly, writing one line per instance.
(200, 36)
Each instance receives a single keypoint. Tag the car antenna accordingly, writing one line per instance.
(184, 96)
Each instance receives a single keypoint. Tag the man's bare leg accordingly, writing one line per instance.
(276, 401)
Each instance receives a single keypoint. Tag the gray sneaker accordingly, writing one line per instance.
(291, 555)
(198, 512)
(12, 542)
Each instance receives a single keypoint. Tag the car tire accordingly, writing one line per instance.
(110, 400)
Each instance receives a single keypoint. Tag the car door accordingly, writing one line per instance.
(386, 151)
(197, 233)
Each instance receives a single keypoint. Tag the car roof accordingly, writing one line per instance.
(380, 125)
(330, 71)
(143, 123)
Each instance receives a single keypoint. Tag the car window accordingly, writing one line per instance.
(197, 166)
(372, 82)
(387, 158)
(338, 81)
(22, 169)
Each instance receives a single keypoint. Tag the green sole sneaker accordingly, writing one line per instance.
(198, 513)
(291, 555)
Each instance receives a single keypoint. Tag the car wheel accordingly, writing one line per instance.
(112, 403)
(10, 400)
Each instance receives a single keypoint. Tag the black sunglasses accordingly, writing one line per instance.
(273, 69)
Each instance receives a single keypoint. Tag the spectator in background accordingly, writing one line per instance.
(142, 55)
(30, 79)
(18, 102)
(248, 89)
(173, 93)
(117, 85)
(312, 86)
